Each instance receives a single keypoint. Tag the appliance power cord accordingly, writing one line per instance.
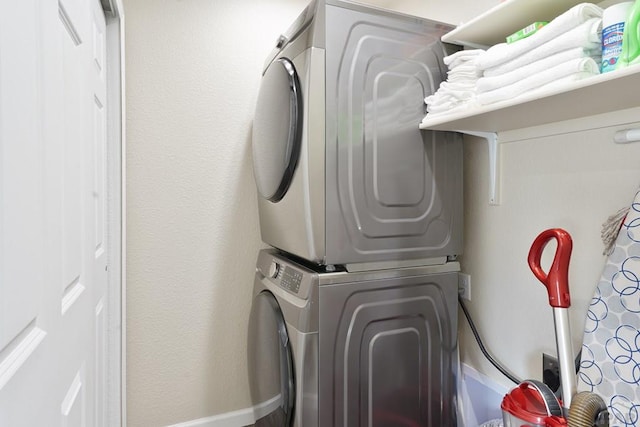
(486, 354)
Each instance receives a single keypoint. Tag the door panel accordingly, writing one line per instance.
(74, 123)
(100, 366)
(21, 191)
(98, 225)
(99, 178)
(24, 330)
(52, 220)
(73, 408)
(99, 136)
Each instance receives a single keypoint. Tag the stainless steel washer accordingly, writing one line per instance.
(283, 343)
(353, 349)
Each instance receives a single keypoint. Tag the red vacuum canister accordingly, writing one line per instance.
(532, 404)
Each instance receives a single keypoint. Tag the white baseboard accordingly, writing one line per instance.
(479, 398)
(239, 418)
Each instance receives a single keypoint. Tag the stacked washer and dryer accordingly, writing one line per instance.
(354, 314)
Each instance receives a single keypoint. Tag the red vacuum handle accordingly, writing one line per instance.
(557, 280)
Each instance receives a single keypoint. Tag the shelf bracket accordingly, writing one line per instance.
(494, 162)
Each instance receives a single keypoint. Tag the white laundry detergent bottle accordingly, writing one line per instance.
(613, 23)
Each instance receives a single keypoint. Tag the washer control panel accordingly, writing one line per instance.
(291, 280)
(283, 273)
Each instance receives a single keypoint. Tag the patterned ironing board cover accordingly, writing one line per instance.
(610, 363)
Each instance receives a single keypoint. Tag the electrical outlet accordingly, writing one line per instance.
(464, 286)
(550, 372)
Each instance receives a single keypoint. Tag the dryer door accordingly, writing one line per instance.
(277, 129)
(271, 375)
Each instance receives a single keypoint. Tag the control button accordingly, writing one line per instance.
(274, 269)
(282, 40)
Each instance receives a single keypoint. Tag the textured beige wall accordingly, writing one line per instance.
(552, 176)
(193, 71)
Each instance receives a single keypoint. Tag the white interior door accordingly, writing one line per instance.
(53, 217)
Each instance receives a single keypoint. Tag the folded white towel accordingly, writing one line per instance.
(574, 69)
(449, 96)
(470, 72)
(447, 99)
(443, 107)
(486, 84)
(468, 67)
(465, 58)
(459, 89)
(564, 23)
(460, 79)
(461, 56)
(453, 108)
(586, 36)
(471, 85)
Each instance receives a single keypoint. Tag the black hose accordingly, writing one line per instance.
(481, 345)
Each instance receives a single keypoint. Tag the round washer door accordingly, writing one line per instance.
(277, 129)
(271, 374)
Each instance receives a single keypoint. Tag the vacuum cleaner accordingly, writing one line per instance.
(532, 403)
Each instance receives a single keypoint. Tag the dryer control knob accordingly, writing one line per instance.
(274, 269)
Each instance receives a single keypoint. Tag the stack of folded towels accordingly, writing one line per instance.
(565, 50)
(459, 90)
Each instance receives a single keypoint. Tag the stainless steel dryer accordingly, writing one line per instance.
(375, 348)
(343, 173)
